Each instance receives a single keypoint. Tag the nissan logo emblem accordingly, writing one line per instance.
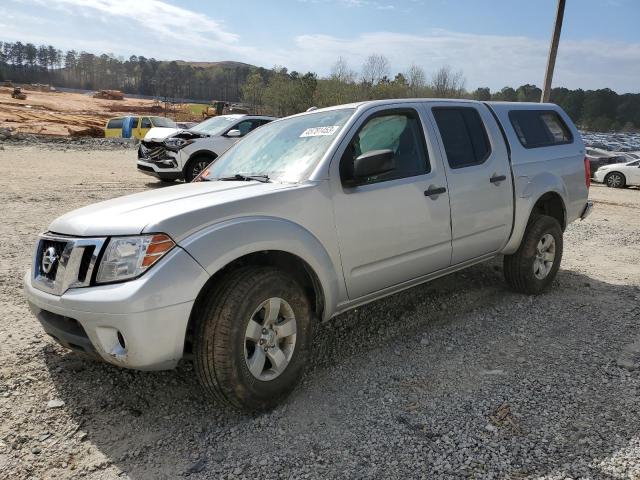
(49, 259)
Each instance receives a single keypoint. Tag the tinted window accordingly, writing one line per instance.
(539, 128)
(115, 123)
(400, 132)
(463, 135)
(146, 123)
(246, 126)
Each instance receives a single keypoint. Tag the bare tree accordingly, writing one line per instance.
(341, 71)
(416, 79)
(448, 84)
(375, 68)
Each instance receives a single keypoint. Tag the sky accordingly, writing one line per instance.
(494, 42)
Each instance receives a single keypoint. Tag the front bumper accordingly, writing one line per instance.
(139, 324)
(149, 168)
(599, 175)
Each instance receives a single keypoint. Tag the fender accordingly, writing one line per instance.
(204, 152)
(531, 190)
(218, 245)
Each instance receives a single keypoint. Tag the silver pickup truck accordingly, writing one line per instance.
(308, 217)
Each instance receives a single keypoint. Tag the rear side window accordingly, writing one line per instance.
(463, 135)
(539, 128)
(115, 123)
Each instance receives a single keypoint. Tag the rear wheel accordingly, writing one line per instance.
(615, 180)
(252, 338)
(532, 268)
(195, 166)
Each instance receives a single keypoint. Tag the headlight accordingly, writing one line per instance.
(128, 257)
(175, 143)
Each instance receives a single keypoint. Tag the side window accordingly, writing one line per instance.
(539, 128)
(134, 122)
(146, 123)
(400, 132)
(115, 123)
(246, 126)
(463, 135)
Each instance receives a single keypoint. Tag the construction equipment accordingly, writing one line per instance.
(17, 94)
(216, 108)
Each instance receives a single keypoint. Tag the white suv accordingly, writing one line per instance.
(172, 154)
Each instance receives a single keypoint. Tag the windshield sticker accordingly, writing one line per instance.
(319, 131)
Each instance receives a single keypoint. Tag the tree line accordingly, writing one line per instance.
(282, 92)
(27, 63)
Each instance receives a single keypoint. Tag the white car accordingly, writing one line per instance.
(619, 175)
(172, 154)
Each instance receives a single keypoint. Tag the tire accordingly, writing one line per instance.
(227, 361)
(528, 270)
(195, 166)
(615, 180)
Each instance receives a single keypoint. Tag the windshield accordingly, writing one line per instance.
(213, 125)
(286, 150)
(163, 122)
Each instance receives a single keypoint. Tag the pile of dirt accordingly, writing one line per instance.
(62, 113)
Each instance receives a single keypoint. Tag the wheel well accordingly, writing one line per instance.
(551, 204)
(201, 153)
(285, 261)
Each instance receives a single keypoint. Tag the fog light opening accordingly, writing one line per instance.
(121, 340)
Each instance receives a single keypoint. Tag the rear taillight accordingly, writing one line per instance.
(587, 172)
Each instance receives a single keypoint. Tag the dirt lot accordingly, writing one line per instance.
(455, 379)
(61, 113)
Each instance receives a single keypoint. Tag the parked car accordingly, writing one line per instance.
(135, 127)
(308, 217)
(172, 154)
(619, 175)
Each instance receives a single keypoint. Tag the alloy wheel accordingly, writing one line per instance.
(545, 256)
(270, 339)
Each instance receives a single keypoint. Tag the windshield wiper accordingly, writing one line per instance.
(241, 177)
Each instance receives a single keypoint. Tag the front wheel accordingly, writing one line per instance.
(195, 167)
(615, 180)
(252, 338)
(532, 268)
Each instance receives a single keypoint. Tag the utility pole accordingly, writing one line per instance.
(553, 51)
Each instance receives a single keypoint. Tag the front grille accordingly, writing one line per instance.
(152, 151)
(62, 262)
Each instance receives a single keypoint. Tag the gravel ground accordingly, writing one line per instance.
(459, 378)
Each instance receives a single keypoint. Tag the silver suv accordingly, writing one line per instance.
(308, 217)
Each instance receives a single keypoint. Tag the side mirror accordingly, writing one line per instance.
(375, 162)
(234, 133)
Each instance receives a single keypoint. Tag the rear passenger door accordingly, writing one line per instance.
(479, 178)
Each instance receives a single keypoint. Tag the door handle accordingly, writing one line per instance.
(434, 191)
(498, 178)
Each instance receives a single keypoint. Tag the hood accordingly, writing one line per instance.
(160, 133)
(175, 210)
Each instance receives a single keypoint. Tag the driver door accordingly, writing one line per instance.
(390, 228)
